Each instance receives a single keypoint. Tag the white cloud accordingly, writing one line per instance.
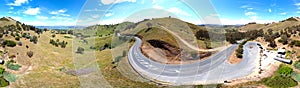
(108, 14)
(95, 10)
(106, 2)
(249, 8)
(60, 12)
(95, 16)
(11, 7)
(178, 11)
(243, 21)
(16, 18)
(154, 1)
(54, 12)
(224, 21)
(297, 4)
(298, 12)
(253, 17)
(157, 7)
(32, 11)
(283, 13)
(42, 17)
(18, 2)
(244, 6)
(270, 10)
(60, 18)
(250, 13)
(65, 15)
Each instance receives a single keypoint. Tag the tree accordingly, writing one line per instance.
(34, 39)
(124, 53)
(20, 43)
(80, 50)
(30, 54)
(17, 38)
(270, 31)
(284, 39)
(272, 44)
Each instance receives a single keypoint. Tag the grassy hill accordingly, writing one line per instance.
(4, 21)
(275, 26)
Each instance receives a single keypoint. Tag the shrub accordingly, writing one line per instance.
(297, 64)
(279, 82)
(297, 43)
(24, 35)
(17, 38)
(12, 66)
(67, 37)
(30, 54)
(80, 50)
(10, 77)
(280, 40)
(34, 39)
(285, 70)
(9, 43)
(1, 70)
(296, 77)
(20, 43)
(3, 82)
(53, 35)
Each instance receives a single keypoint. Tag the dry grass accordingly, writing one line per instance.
(46, 61)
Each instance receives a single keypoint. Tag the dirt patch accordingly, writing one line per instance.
(163, 52)
(233, 59)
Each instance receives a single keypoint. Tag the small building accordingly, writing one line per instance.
(283, 60)
(281, 53)
(1, 61)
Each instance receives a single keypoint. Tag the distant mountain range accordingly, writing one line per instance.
(60, 27)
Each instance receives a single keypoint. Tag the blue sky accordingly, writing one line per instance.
(89, 12)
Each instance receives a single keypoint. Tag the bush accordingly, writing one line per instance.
(30, 54)
(17, 38)
(34, 39)
(20, 43)
(285, 70)
(10, 77)
(296, 77)
(9, 43)
(3, 82)
(1, 70)
(297, 43)
(297, 64)
(279, 82)
(280, 40)
(12, 66)
(80, 50)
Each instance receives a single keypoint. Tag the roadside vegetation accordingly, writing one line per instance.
(281, 79)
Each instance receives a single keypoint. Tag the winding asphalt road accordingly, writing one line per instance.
(212, 70)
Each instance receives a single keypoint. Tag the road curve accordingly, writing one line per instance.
(212, 70)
